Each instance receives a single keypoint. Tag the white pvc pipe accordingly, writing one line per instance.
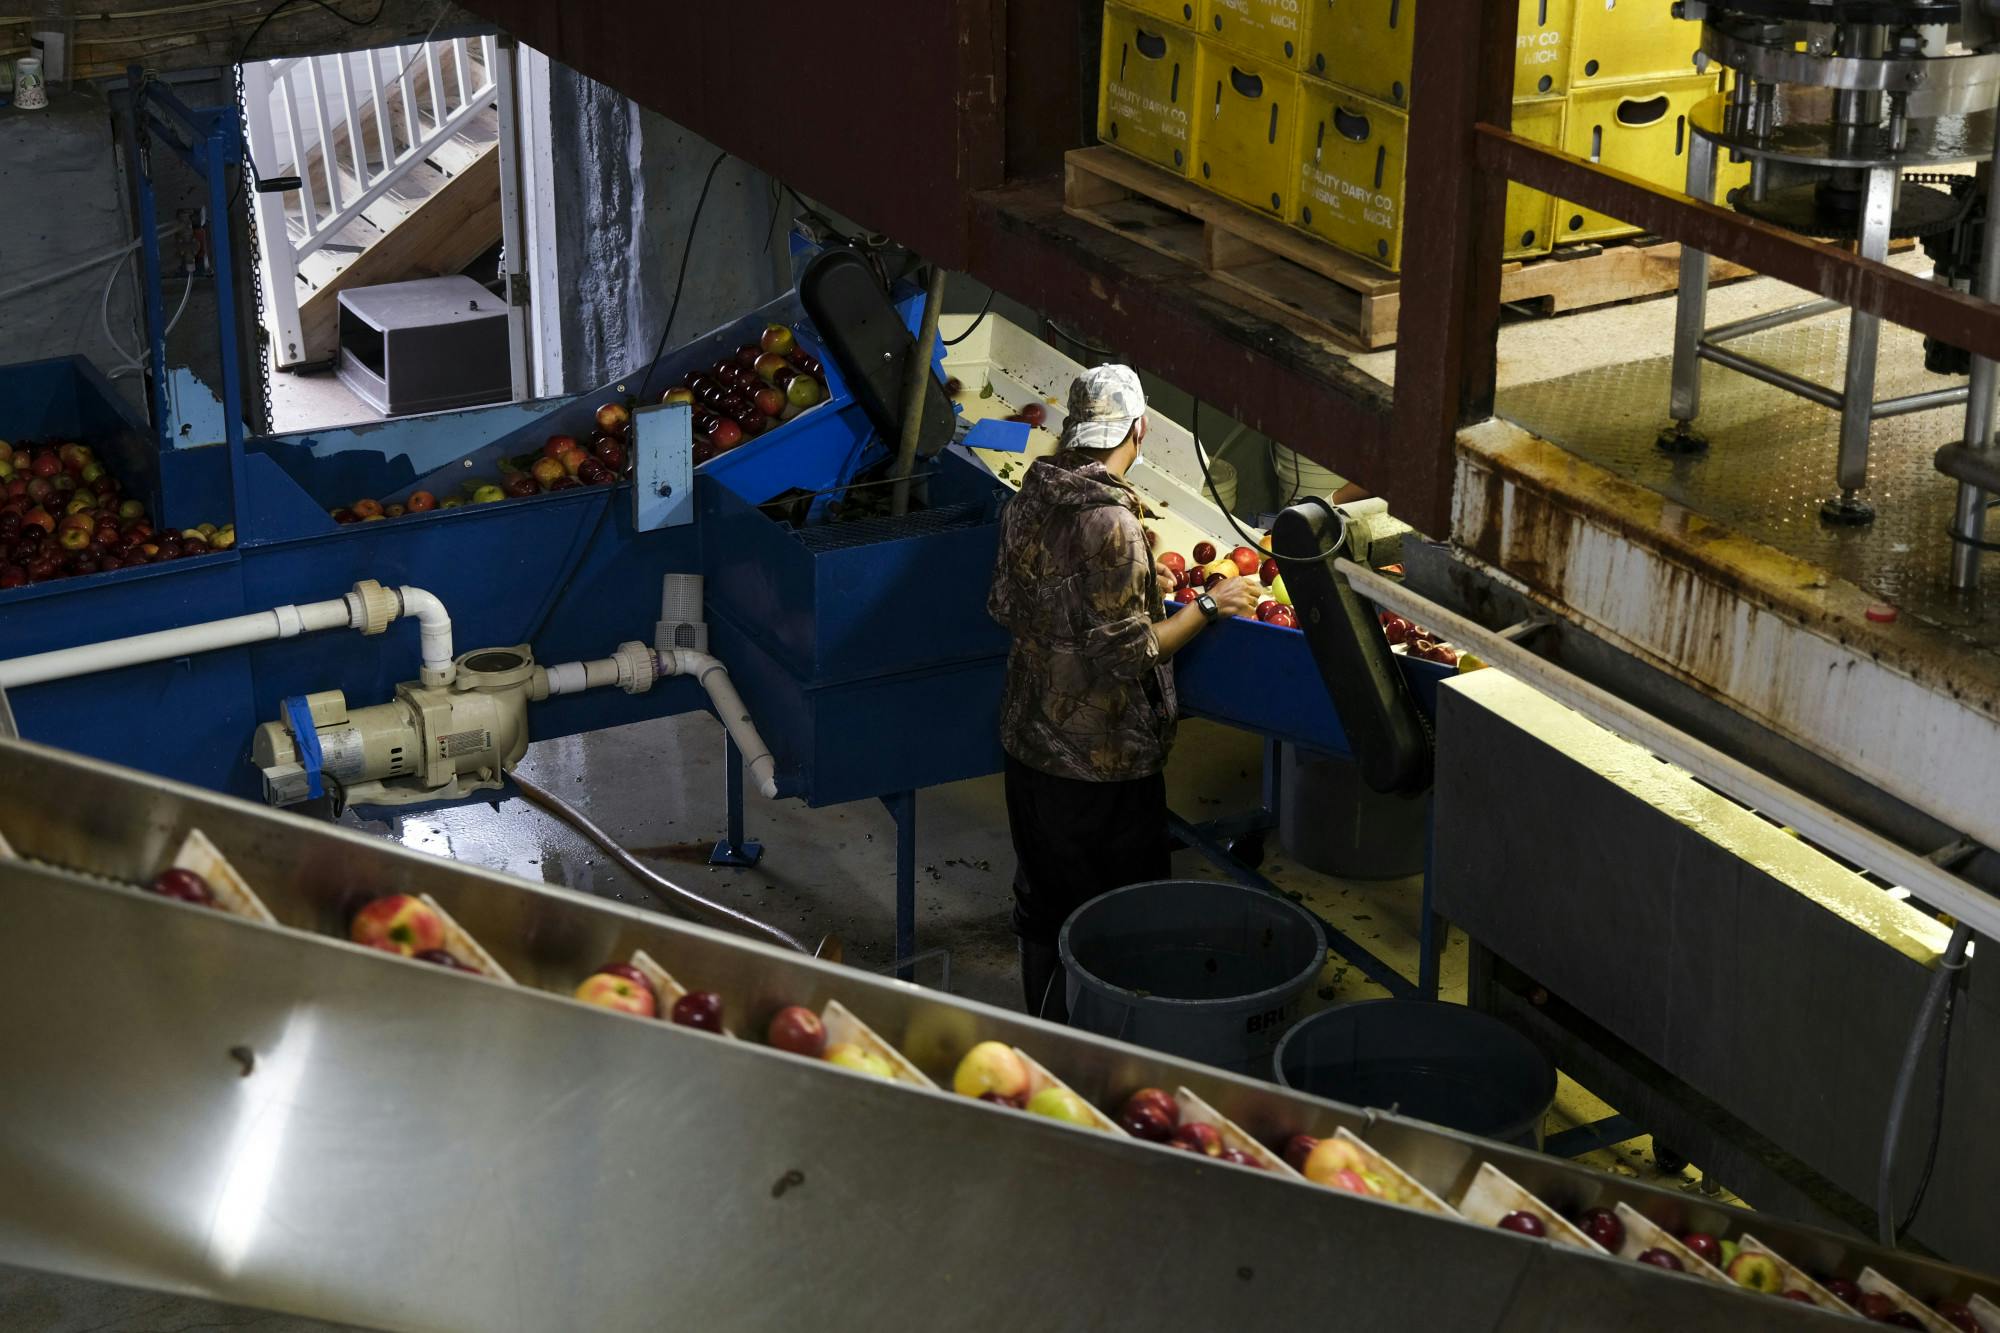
(282, 622)
(714, 678)
(576, 677)
(434, 623)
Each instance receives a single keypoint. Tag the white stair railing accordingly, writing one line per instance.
(304, 118)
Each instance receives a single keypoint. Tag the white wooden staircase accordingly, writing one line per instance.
(398, 153)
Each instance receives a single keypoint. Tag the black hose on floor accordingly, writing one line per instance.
(1938, 993)
(713, 912)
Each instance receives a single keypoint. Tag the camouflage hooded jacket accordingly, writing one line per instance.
(1087, 695)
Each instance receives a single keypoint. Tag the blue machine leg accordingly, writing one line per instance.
(1432, 928)
(903, 807)
(733, 850)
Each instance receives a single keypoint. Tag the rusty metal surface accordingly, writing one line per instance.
(891, 121)
(1896, 296)
(1771, 458)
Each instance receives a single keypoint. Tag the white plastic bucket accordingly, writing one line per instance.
(1299, 476)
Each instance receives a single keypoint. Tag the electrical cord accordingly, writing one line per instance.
(1201, 458)
(645, 385)
(243, 52)
(1076, 341)
(1936, 994)
(973, 327)
(680, 281)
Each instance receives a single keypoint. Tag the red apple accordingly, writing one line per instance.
(1247, 561)
(1602, 1225)
(1195, 1137)
(746, 355)
(593, 473)
(1267, 573)
(1841, 1289)
(1035, 413)
(768, 365)
(444, 958)
(1174, 561)
(12, 576)
(727, 434)
(41, 490)
(681, 394)
(343, 516)
(520, 484)
(1204, 553)
(699, 1009)
(1525, 1223)
(797, 1029)
(778, 339)
(1658, 1258)
(1297, 1149)
(45, 465)
(770, 400)
(608, 989)
(1147, 1120)
(564, 483)
(573, 460)
(610, 453)
(1284, 617)
(1159, 1097)
(421, 502)
(1186, 595)
(186, 885)
(367, 509)
(558, 445)
(1871, 1304)
(397, 923)
(613, 418)
(1956, 1314)
(1238, 1157)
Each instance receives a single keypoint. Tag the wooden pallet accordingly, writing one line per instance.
(1307, 283)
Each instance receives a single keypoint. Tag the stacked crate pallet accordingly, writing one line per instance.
(1298, 110)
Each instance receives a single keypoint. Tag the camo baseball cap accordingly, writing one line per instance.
(1104, 401)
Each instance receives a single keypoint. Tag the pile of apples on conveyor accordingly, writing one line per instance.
(561, 464)
(1417, 641)
(62, 513)
(757, 388)
(1191, 580)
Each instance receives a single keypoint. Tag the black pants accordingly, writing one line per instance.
(1074, 840)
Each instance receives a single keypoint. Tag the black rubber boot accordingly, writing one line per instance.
(1042, 991)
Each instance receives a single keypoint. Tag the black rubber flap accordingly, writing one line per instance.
(866, 338)
(1385, 730)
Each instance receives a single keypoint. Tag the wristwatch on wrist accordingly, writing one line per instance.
(1208, 606)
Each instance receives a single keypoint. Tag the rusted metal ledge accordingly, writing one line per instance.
(1187, 329)
(1905, 705)
(1928, 307)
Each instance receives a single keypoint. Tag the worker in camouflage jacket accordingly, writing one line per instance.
(1088, 714)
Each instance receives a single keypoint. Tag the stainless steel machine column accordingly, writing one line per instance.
(1690, 314)
(1970, 517)
(1864, 332)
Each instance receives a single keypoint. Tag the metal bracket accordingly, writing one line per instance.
(663, 489)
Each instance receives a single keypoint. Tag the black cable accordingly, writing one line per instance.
(687, 249)
(1937, 1111)
(973, 327)
(1076, 341)
(1194, 429)
(243, 52)
(1935, 994)
(659, 349)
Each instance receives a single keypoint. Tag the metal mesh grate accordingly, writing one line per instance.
(868, 531)
(1771, 460)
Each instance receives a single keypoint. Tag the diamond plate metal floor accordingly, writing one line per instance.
(1771, 461)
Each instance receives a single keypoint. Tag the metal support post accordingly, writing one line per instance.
(902, 806)
(1432, 929)
(734, 849)
(1690, 314)
(1864, 335)
(1969, 527)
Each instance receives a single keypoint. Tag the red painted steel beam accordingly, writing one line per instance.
(1928, 307)
(1166, 317)
(890, 116)
(1449, 322)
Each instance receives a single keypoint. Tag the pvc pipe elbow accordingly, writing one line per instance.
(434, 624)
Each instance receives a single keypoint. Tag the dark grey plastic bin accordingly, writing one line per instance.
(1442, 1063)
(1207, 971)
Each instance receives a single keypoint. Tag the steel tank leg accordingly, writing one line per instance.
(1690, 316)
(1970, 515)
(1864, 338)
(903, 806)
(734, 849)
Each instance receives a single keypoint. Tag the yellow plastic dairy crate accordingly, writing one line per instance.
(1641, 129)
(1615, 41)
(1353, 154)
(1180, 12)
(1245, 123)
(1541, 47)
(1367, 45)
(1269, 31)
(1147, 88)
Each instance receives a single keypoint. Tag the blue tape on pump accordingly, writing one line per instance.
(307, 737)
